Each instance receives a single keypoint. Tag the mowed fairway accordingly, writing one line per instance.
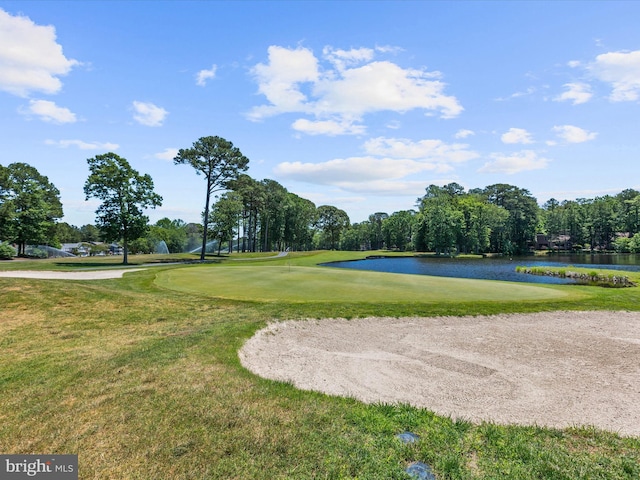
(321, 284)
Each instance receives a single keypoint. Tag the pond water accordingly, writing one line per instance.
(491, 268)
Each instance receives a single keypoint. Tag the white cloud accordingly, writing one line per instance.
(344, 58)
(525, 93)
(575, 92)
(149, 114)
(517, 162)
(622, 71)
(203, 75)
(464, 133)
(516, 135)
(350, 86)
(573, 134)
(168, 154)
(380, 86)
(327, 127)
(410, 189)
(49, 112)
(82, 145)
(30, 57)
(384, 168)
(434, 151)
(279, 80)
(351, 170)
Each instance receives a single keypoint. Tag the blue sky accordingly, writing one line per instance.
(359, 104)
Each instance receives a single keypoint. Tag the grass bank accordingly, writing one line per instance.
(140, 377)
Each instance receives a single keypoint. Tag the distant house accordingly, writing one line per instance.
(79, 249)
(542, 242)
(115, 249)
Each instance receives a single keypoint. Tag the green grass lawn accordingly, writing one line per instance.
(140, 377)
(297, 284)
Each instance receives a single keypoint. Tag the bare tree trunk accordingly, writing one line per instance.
(206, 219)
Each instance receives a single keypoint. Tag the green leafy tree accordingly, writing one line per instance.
(440, 222)
(6, 206)
(272, 215)
(523, 215)
(90, 233)
(398, 229)
(356, 237)
(223, 219)
(629, 211)
(124, 194)
(332, 222)
(65, 233)
(172, 232)
(376, 237)
(220, 163)
(300, 216)
(253, 197)
(29, 206)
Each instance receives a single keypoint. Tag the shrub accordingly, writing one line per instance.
(7, 252)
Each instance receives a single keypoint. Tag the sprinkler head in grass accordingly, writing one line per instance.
(408, 437)
(420, 471)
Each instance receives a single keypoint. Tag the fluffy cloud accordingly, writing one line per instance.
(573, 134)
(30, 58)
(432, 151)
(622, 71)
(82, 145)
(350, 86)
(344, 58)
(384, 187)
(203, 75)
(354, 169)
(49, 112)
(327, 127)
(168, 154)
(384, 168)
(280, 80)
(576, 93)
(464, 133)
(149, 114)
(517, 162)
(516, 135)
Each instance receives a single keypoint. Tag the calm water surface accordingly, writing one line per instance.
(491, 268)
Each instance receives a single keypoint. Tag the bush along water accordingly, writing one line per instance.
(588, 278)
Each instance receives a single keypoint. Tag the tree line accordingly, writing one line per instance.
(244, 214)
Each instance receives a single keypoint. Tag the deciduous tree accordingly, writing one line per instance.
(29, 206)
(332, 221)
(124, 194)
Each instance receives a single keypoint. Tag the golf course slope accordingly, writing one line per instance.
(554, 369)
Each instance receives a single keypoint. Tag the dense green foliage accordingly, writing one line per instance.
(29, 206)
(7, 252)
(124, 194)
(220, 162)
(262, 215)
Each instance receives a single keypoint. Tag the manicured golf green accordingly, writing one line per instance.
(322, 284)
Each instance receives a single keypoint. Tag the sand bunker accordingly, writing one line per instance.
(51, 275)
(554, 369)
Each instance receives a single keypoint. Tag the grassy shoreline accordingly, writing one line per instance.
(143, 381)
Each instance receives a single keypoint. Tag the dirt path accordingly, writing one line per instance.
(552, 369)
(54, 275)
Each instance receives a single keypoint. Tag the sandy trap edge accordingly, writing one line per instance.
(553, 369)
(54, 275)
